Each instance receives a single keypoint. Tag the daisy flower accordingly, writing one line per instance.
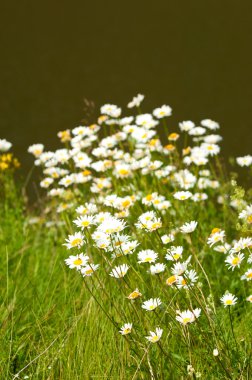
(151, 304)
(188, 316)
(111, 110)
(244, 161)
(149, 221)
(155, 335)
(136, 101)
(45, 183)
(249, 298)
(77, 261)
(228, 299)
(167, 238)
(119, 271)
(163, 111)
(172, 280)
(174, 253)
(126, 329)
(179, 268)
(135, 294)
(5, 145)
(187, 280)
(241, 244)
(247, 275)
(88, 270)
(84, 221)
(234, 261)
(36, 149)
(182, 195)
(186, 126)
(157, 268)
(187, 228)
(75, 240)
(210, 124)
(147, 256)
(88, 208)
(112, 225)
(224, 248)
(216, 236)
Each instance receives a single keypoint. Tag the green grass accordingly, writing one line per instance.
(52, 328)
(49, 322)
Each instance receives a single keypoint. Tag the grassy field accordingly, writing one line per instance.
(183, 290)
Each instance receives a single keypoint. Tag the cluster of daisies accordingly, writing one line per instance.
(133, 184)
(237, 254)
(94, 159)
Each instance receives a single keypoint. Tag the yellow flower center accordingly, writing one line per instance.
(249, 219)
(186, 320)
(148, 197)
(76, 241)
(229, 302)
(153, 142)
(176, 256)
(249, 275)
(77, 262)
(123, 171)
(171, 280)
(215, 230)
(85, 223)
(148, 259)
(156, 225)
(173, 136)
(134, 295)
(126, 203)
(89, 271)
(86, 172)
(235, 260)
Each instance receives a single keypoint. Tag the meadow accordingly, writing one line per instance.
(135, 262)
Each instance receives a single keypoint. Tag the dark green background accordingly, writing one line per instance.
(193, 55)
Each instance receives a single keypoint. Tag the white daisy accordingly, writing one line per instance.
(75, 241)
(189, 227)
(147, 256)
(188, 316)
(155, 335)
(126, 329)
(119, 271)
(151, 304)
(77, 261)
(228, 299)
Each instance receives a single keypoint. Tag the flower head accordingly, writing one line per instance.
(155, 335)
(126, 329)
(147, 256)
(228, 299)
(188, 316)
(77, 261)
(119, 271)
(151, 304)
(187, 228)
(135, 294)
(75, 241)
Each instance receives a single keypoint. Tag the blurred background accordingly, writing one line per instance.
(193, 55)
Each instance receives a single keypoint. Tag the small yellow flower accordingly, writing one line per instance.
(173, 137)
(135, 294)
